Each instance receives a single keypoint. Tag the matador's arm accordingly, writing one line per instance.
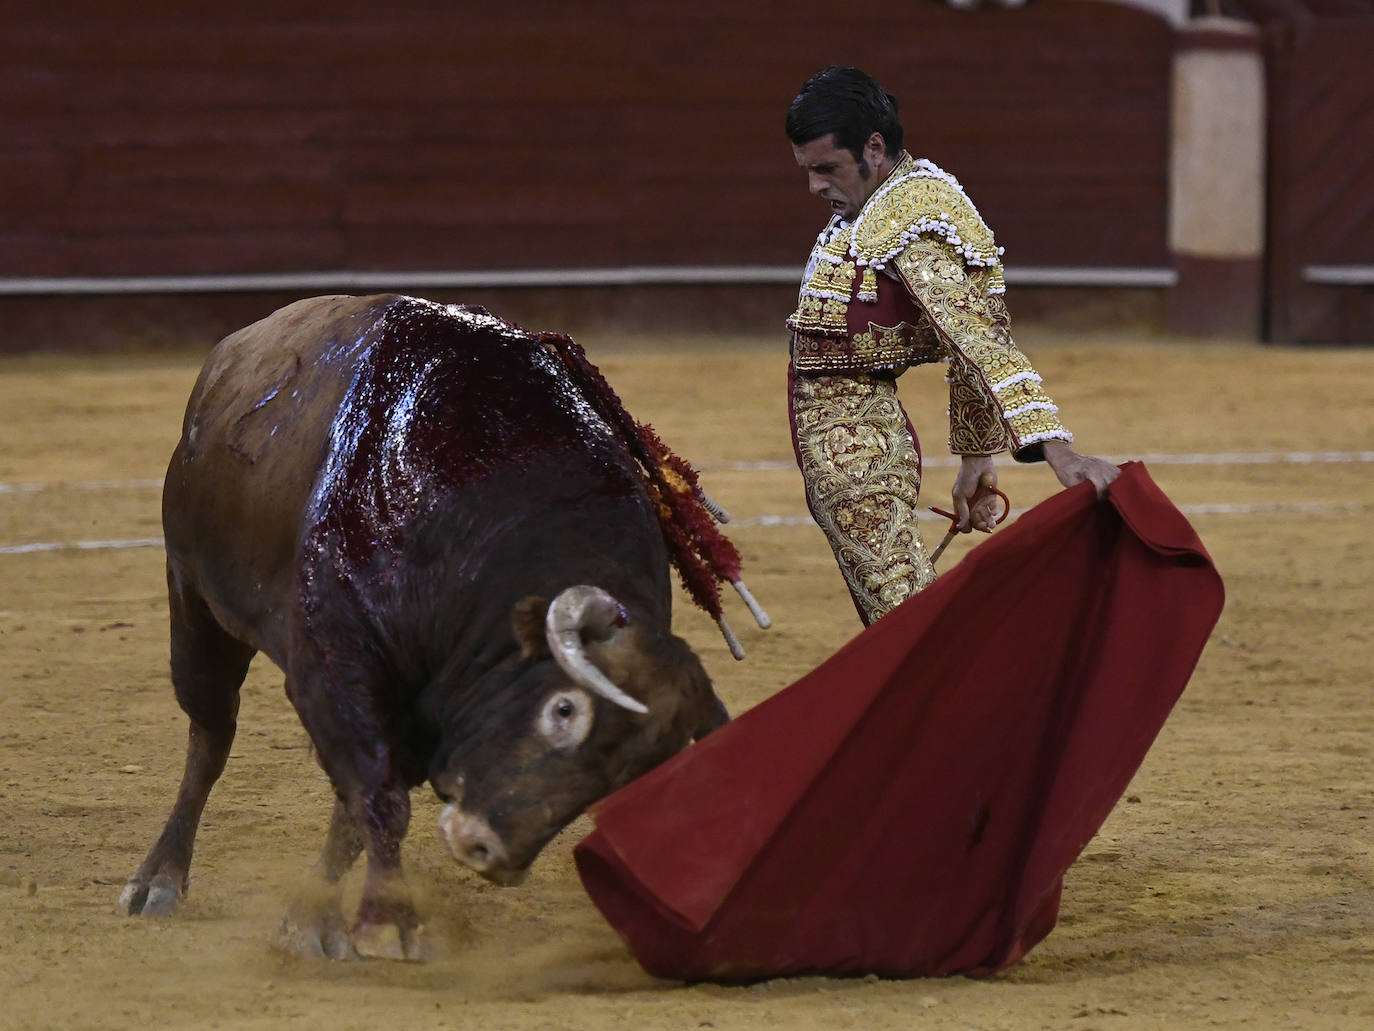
(997, 400)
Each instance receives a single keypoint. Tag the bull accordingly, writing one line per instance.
(438, 536)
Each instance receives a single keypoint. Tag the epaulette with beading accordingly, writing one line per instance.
(918, 198)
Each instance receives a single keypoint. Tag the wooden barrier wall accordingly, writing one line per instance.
(1321, 166)
(287, 135)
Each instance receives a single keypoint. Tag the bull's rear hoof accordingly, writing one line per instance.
(159, 897)
(388, 941)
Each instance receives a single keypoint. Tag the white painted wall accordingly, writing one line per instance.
(1217, 175)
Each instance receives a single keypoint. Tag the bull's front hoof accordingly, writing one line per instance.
(323, 939)
(314, 926)
(389, 941)
(159, 896)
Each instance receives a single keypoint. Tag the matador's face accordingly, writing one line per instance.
(836, 176)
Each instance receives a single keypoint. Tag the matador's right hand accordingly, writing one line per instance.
(974, 502)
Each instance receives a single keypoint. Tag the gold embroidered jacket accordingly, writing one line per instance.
(917, 277)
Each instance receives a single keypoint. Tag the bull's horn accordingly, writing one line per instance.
(585, 608)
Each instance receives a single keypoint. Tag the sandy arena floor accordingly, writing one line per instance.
(1233, 887)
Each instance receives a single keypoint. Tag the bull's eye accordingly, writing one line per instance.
(565, 718)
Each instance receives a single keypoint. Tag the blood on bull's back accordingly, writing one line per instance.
(346, 418)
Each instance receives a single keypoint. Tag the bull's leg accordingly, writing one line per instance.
(314, 924)
(330, 686)
(208, 667)
(387, 926)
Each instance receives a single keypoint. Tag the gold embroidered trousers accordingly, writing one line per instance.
(862, 471)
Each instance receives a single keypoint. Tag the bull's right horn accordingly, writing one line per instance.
(585, 608)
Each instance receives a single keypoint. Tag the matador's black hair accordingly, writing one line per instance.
(850, 104)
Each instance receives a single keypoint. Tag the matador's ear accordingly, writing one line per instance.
(527, 623)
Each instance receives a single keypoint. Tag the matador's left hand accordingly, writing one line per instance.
(1073, 468)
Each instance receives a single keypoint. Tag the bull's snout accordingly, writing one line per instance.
(475, 845)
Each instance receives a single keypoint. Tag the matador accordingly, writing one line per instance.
(905, 273)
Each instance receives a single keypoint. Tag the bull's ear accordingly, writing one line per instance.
(527, 623)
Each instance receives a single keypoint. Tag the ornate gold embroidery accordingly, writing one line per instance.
(868, 286)
(975, 422)
(862, 477)
(920, 198)
(883, 340)
(878, 348)
(974, 325)
(917, 200)
(824, 299)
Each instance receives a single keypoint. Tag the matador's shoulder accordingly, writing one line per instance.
(921, 199)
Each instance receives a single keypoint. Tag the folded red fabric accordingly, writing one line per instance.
(909, 807)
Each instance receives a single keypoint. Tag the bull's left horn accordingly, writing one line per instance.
(585, 608)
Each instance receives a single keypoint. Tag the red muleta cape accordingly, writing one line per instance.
(909, 808)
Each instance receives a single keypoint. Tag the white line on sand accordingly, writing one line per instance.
(36, 546)
(1202, 458)
(34, 488)
(1261, 508)
(768, 520)
(778, 465)
(1205, 458)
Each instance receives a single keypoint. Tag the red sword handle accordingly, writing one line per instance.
(983, 490)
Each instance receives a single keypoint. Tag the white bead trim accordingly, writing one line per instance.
(824, 295)
(1018, 378)
(1034, 406)
(925, 169)
(1036, 438)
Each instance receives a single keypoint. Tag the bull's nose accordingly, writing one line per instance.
(475, 845)
(470, 839)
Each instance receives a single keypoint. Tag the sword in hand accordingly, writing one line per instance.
(985, 488)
